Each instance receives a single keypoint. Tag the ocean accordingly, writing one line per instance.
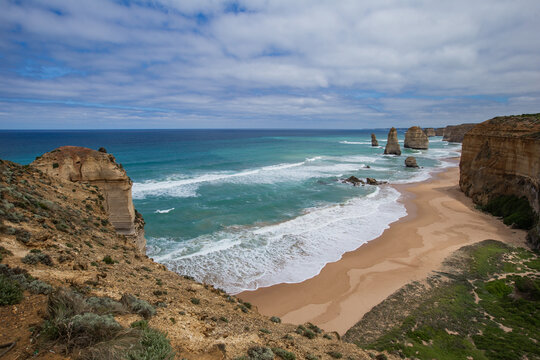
(242, 209)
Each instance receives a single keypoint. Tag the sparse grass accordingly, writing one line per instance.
(335, 354)
(284, 354)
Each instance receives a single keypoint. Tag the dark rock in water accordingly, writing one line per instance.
(392, 145)
(411, 162)
(354, 180)
(374, 141)
(367, 166)
(372, 181)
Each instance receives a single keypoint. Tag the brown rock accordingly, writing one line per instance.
(79, 164)
(439, 131)
(456, 133)
(374, 141)
(415, 138)
(501, 156)
(430, 132)
(392, 145)
(354, 180)
(411, 162)
(372, 181)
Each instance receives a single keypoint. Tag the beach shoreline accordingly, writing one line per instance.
(440, 219)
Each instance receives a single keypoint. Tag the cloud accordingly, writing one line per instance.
(266, 63)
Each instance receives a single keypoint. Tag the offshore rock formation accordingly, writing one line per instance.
(392, 145)
(501, 156)
(79, 164)
(430, 132)
(411, 162)
(374, 141)
(439, 131)
(416, 138)
(455, 133)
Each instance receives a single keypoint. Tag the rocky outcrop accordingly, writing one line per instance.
(79, 164)
(411, 162)
(430, 132)
(455, 133)
(416, 138)
(372, 181)
(354, 181)
(392, 145)
(439, 131)
(501, 156)
(374, 141)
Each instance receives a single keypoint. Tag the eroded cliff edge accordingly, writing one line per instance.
(79, 164)
(501, 156)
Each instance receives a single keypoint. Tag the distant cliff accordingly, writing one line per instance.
(79, 164)
(501, 156)
(455, 133)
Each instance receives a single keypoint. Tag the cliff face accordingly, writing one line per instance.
(455, 133)
(392, 145)
(439, 131)
(79, 164)
(501, 156)
(416, 138)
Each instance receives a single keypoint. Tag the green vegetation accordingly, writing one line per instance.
(275, 319)
(10, 291)
(335, 354)
(515, 211)
(478, 309)
(260, 353)
(86, 325)
(107, 259)
(284, 354)
(37, 257)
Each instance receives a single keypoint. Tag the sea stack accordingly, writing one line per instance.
(392, 145)
(416, 138)
(79, 164)
(374, 141)
(430, 132)
(411, 162)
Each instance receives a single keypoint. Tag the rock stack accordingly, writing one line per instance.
(430, 132)
(392, 145)
(411, 162)
(374, 141)
(79, 164)
(416, 138)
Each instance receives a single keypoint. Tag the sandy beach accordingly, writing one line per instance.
(440, 220)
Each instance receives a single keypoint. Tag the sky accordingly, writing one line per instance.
(338, 64)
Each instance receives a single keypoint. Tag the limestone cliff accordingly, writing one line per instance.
(430, 132)
(416, 138)
(79, 164)
(455, 133)
(392, 145)
(501, 156)
(439, 131)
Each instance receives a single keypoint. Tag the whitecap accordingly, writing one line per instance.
(166, 211)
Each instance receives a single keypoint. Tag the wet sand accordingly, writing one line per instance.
(440, 220)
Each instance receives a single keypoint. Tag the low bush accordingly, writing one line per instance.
(35, 258)
(105, 305)
(260, 353)
(275, 319)
(153, 345)
(284, 354)
(39, 287)
(138, 306)
(515, 211)
(10, 291)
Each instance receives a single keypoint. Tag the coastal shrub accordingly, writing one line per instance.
(138, 306)
(284, 354)
(275, 319)
(515, 211)
(335, 354)
(309, 334)
(260, 353)
(195, 301)
(265, 331)
(154, 345)
(105, 305)
(498, 288)
(34, 258)
(107, 259)
(312, 357)
(39, 287)
(10, 291)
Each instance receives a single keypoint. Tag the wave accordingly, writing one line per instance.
(245, 258)
(355, 142)
(163, 211)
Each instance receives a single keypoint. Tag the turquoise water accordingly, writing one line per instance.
(247, 208)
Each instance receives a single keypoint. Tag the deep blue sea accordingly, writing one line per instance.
(242, 209)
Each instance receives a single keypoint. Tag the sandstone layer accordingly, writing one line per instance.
(430, 132)
(79, 164)
(501, 156)
(374, 141)
(392, 145)
(416, 138)
(455, 133)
